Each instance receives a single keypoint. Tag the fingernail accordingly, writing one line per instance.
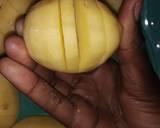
(137, 9)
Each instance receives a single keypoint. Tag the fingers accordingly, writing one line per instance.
(137, 73)
(70, 113)
(11, 70)
(19, 26)
(140, 85)
(61, 86)
(132, 44)
(44, 73)
(38, 90)
(128, 17)
(135, 67)
(69, 78)
(16, 50)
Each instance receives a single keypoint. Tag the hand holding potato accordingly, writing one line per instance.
(124, 94)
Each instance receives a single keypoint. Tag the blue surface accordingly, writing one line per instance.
(28, 108)
(150, 20)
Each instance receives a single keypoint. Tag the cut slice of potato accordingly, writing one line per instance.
(50, 29)
(110, 31)
(69, 34)
(89, 23)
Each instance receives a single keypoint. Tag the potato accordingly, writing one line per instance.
(10, 10)
(71, 35)
(38, 122)
(9, 103)
(114, 4)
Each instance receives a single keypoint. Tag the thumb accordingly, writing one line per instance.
(137, 73)
(128, 17)
(140, 90)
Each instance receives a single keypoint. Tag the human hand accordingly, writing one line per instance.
(122, 94)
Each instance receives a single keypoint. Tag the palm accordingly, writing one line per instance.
(99, 95)
(96, 89)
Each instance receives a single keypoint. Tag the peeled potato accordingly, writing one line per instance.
(10, 10)
(71, 35)
(9, 103)
(1, 40)
(38, 122)
(114, 4)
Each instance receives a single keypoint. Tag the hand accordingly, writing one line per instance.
(124, 94)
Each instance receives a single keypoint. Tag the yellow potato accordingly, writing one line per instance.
(114, 4)
(10, 10)
(2, 36)
(7, 14)
(9, 103)
(71, 35)
(38, 122)
(20, 6)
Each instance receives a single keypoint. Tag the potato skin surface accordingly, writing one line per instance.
(10, 11)
(38, 122)
(9, 103)
(71, 36)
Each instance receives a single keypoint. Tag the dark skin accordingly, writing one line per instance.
(123, 94)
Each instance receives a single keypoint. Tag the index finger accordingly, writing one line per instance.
(38, 90)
